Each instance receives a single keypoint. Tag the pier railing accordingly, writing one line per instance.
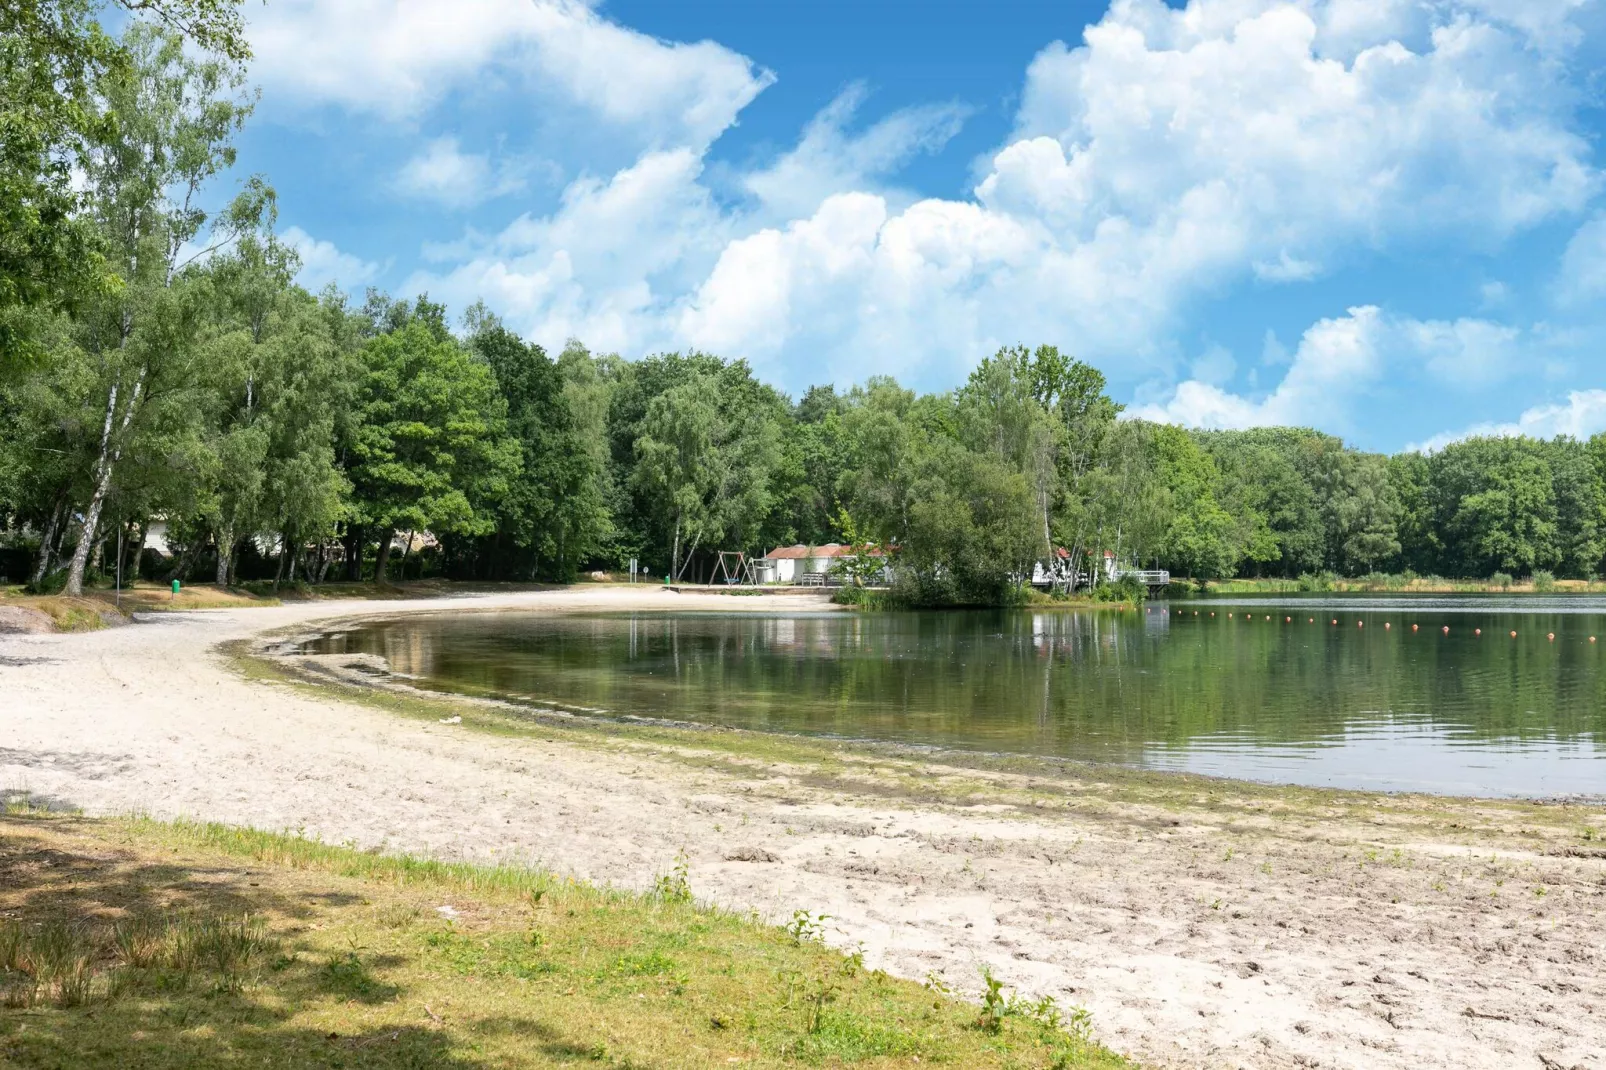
(1151, 577)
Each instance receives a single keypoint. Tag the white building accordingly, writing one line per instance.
(808, 564)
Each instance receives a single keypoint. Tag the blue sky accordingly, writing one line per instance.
(1382, 218)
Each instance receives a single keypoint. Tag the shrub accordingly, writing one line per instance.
(1125, 589)
(1544, 581)
(1318, 581)
(1501, 580)
(862, 597)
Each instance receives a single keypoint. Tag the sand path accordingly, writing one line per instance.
(1287, 943)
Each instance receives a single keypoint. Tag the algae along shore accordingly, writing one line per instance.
(448, 881)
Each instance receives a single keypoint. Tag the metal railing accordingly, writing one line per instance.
(1153, 577)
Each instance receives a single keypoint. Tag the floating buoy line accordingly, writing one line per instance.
(1249, 618)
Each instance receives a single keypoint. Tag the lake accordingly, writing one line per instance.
(1256, 687)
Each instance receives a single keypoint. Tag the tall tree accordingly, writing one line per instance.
(175, 117)
(1495, 503)
(54, 61)
(554, 508)
(429, 451)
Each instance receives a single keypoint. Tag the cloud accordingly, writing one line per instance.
(1583, 415)
(1466, 353)
(397, 58)
(445, 174)
(608, 266)
(829, 160)
(1173, 154)
(322, 263)
(1305, 152)
(1339, 360)
(1583, 266)
(1336, 357)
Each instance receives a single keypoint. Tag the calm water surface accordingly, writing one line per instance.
(1293, 699)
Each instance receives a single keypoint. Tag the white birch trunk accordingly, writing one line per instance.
(104, 466)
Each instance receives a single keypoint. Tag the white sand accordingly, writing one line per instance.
(1296, 950)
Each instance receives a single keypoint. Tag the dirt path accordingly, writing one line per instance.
(1223, 933)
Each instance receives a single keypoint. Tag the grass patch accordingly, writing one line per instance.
(150, 597)
(98, 607)
(68, 614)
(135, 942)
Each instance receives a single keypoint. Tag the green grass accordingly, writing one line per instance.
(99, 606)
(186, 945)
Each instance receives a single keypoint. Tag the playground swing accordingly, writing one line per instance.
(734, 567)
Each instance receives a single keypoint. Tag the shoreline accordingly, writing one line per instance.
(326, 670)
(1203, 922)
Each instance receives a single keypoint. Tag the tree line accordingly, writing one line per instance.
(160, 366)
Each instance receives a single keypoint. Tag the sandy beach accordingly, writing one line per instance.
(1226, 932)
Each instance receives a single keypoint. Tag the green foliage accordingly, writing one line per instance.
(1544, 582)
(1495, 503)
(554, 510)
(866, 563)
(1322, 581)
(56, 114)
(864, 597)
(674, 886)
(161, 366)
(806, 926)
(429, 450)
(695, 440)
(1127, 589)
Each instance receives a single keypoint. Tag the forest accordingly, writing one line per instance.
(161, 370)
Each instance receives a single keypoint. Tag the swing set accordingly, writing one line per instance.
(735, 567)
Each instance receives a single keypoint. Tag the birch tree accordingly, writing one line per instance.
(174, 117)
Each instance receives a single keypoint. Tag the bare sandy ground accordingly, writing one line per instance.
(1217, 932)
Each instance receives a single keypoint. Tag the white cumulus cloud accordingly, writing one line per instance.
(323, 263)
(1174, 154)
(607, 266)
(1340, 359)
(1336, 359)
(1582, 415)
(396, 58)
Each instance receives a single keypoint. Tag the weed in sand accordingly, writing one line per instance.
(993, 1004)
(674, 886)
(806, 926)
